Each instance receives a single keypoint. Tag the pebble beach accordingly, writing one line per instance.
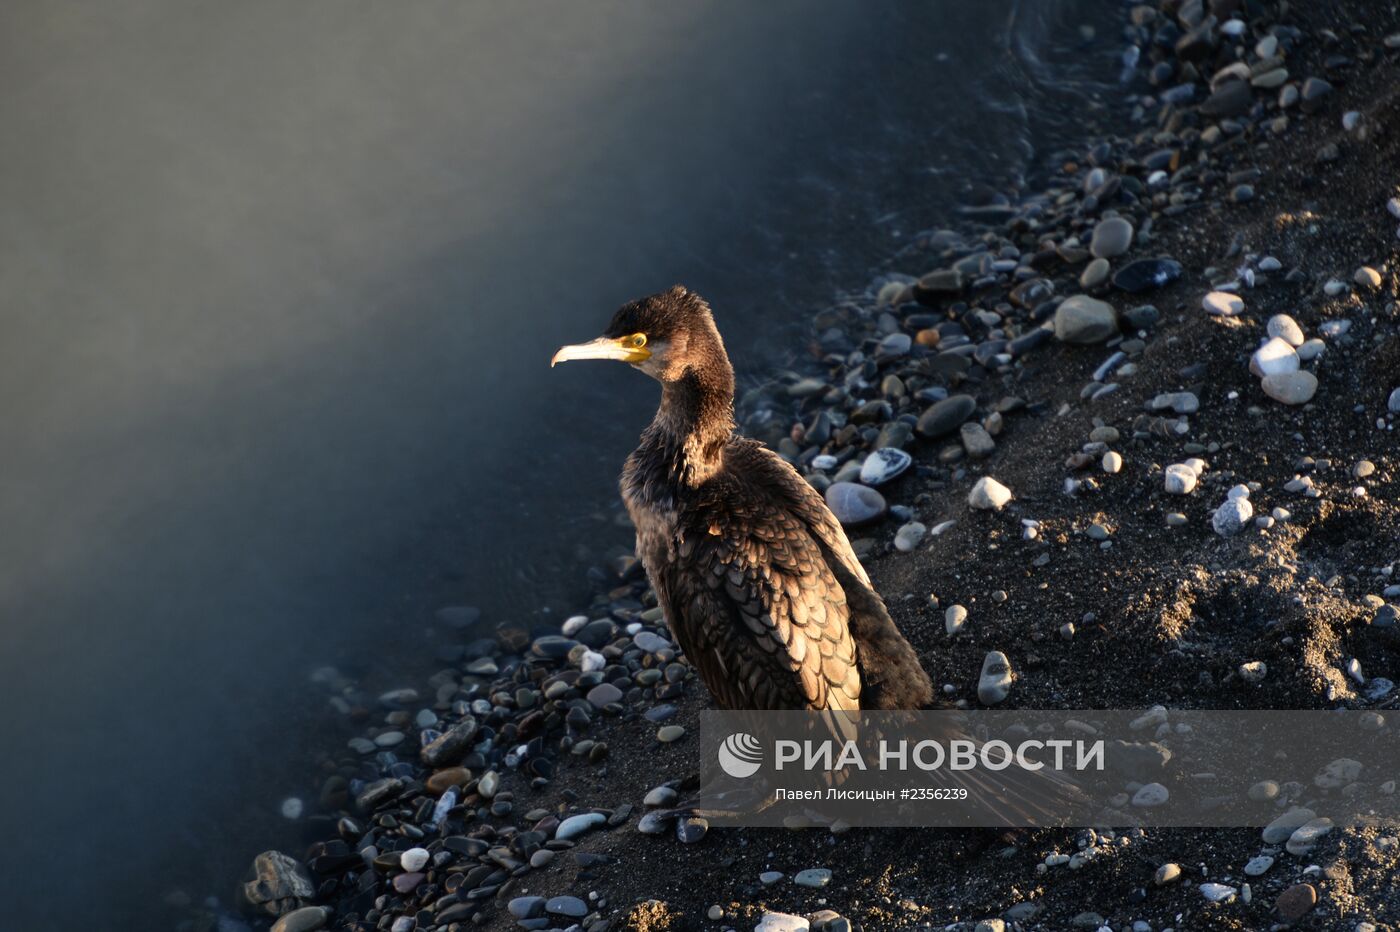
(1124, 441)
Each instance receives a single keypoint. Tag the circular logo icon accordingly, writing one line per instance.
(740, 755)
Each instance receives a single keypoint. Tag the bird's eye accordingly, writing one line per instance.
(638, 340)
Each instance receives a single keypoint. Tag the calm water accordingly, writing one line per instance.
(279, 284)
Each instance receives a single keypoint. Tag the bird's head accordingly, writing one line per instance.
(664, 335)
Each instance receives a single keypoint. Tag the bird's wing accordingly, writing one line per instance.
(807, 504)
(758, 611)
(891, 675)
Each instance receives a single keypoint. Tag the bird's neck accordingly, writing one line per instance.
(694, 423)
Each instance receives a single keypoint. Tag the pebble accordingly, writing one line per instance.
(782, 922)
(954, 619)
(670, 733)
(1279, 830)
(883, 465)
(1258, 865)
(1291, 388)
(1368, 277)
(1274, 357)
(909, 536)
(603, 694)
(1112, 237)
(660, 796)
(1167, 873)
(1094, 274)
(988, 494)
(1083, 320)
(1150, 795)
(1146, 275)
(1285, 328)
(305, 919)
(768, 878)
(994, 684)
(414, 859)
(1295, 902)
(574, 826)
(692, 830)
(1218, 892)
(1393, 404)
(1253, 671)
(813, 877)
(946, 416)
(1222, 304)
(1180, 479)
(569, 906)
(1112, 462)
(1231, 517)
(854, 504)
(526, 907)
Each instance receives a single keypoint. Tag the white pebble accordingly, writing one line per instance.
(414, 859)
(1180, 479)
(1112, 462)
(988, 494)
(1222, 304)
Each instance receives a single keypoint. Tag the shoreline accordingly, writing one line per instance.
(973, 364)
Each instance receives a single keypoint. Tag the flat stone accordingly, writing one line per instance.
(569, 906)
(975, 439)
(854, 504)
(1167, 873)
(1279, 830)
(1258, 865)
(526, 907)
(1222, 304)
(603, 694)
(782, 922)
(574, 826)
(1094, 274)
(1367, 277)
(660, 796)
(994, 683)
(306, 919)
(1112, 237)
(1083, 320)
(813, 877)
(946, 416)
(1143, 275)
(883, 465)
(1218, 892)
(1290, 388)
(988, 494)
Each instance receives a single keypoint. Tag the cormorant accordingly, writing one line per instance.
(753, 572)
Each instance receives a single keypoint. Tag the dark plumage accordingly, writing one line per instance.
(754, 574)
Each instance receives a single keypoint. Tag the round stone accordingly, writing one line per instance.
(1222, 304)
(414, 859)
(1179, 479)
(994, 683)
(1295, 902)
(909, 536)
(854, 504)
(1167, 873)
(1290, 388)
(946, 416)
(604, 694)
(988, 494)
(1285, 328)
(660, 796)
(813, 877)
(782, 922)
(1274, 357)
(1393, 403)
(1083, 320)
(1112, 237)
(883, 465)
(670, 733)
(954, 619)
(1231, 517)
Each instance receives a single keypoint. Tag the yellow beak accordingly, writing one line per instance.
(602, 348)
